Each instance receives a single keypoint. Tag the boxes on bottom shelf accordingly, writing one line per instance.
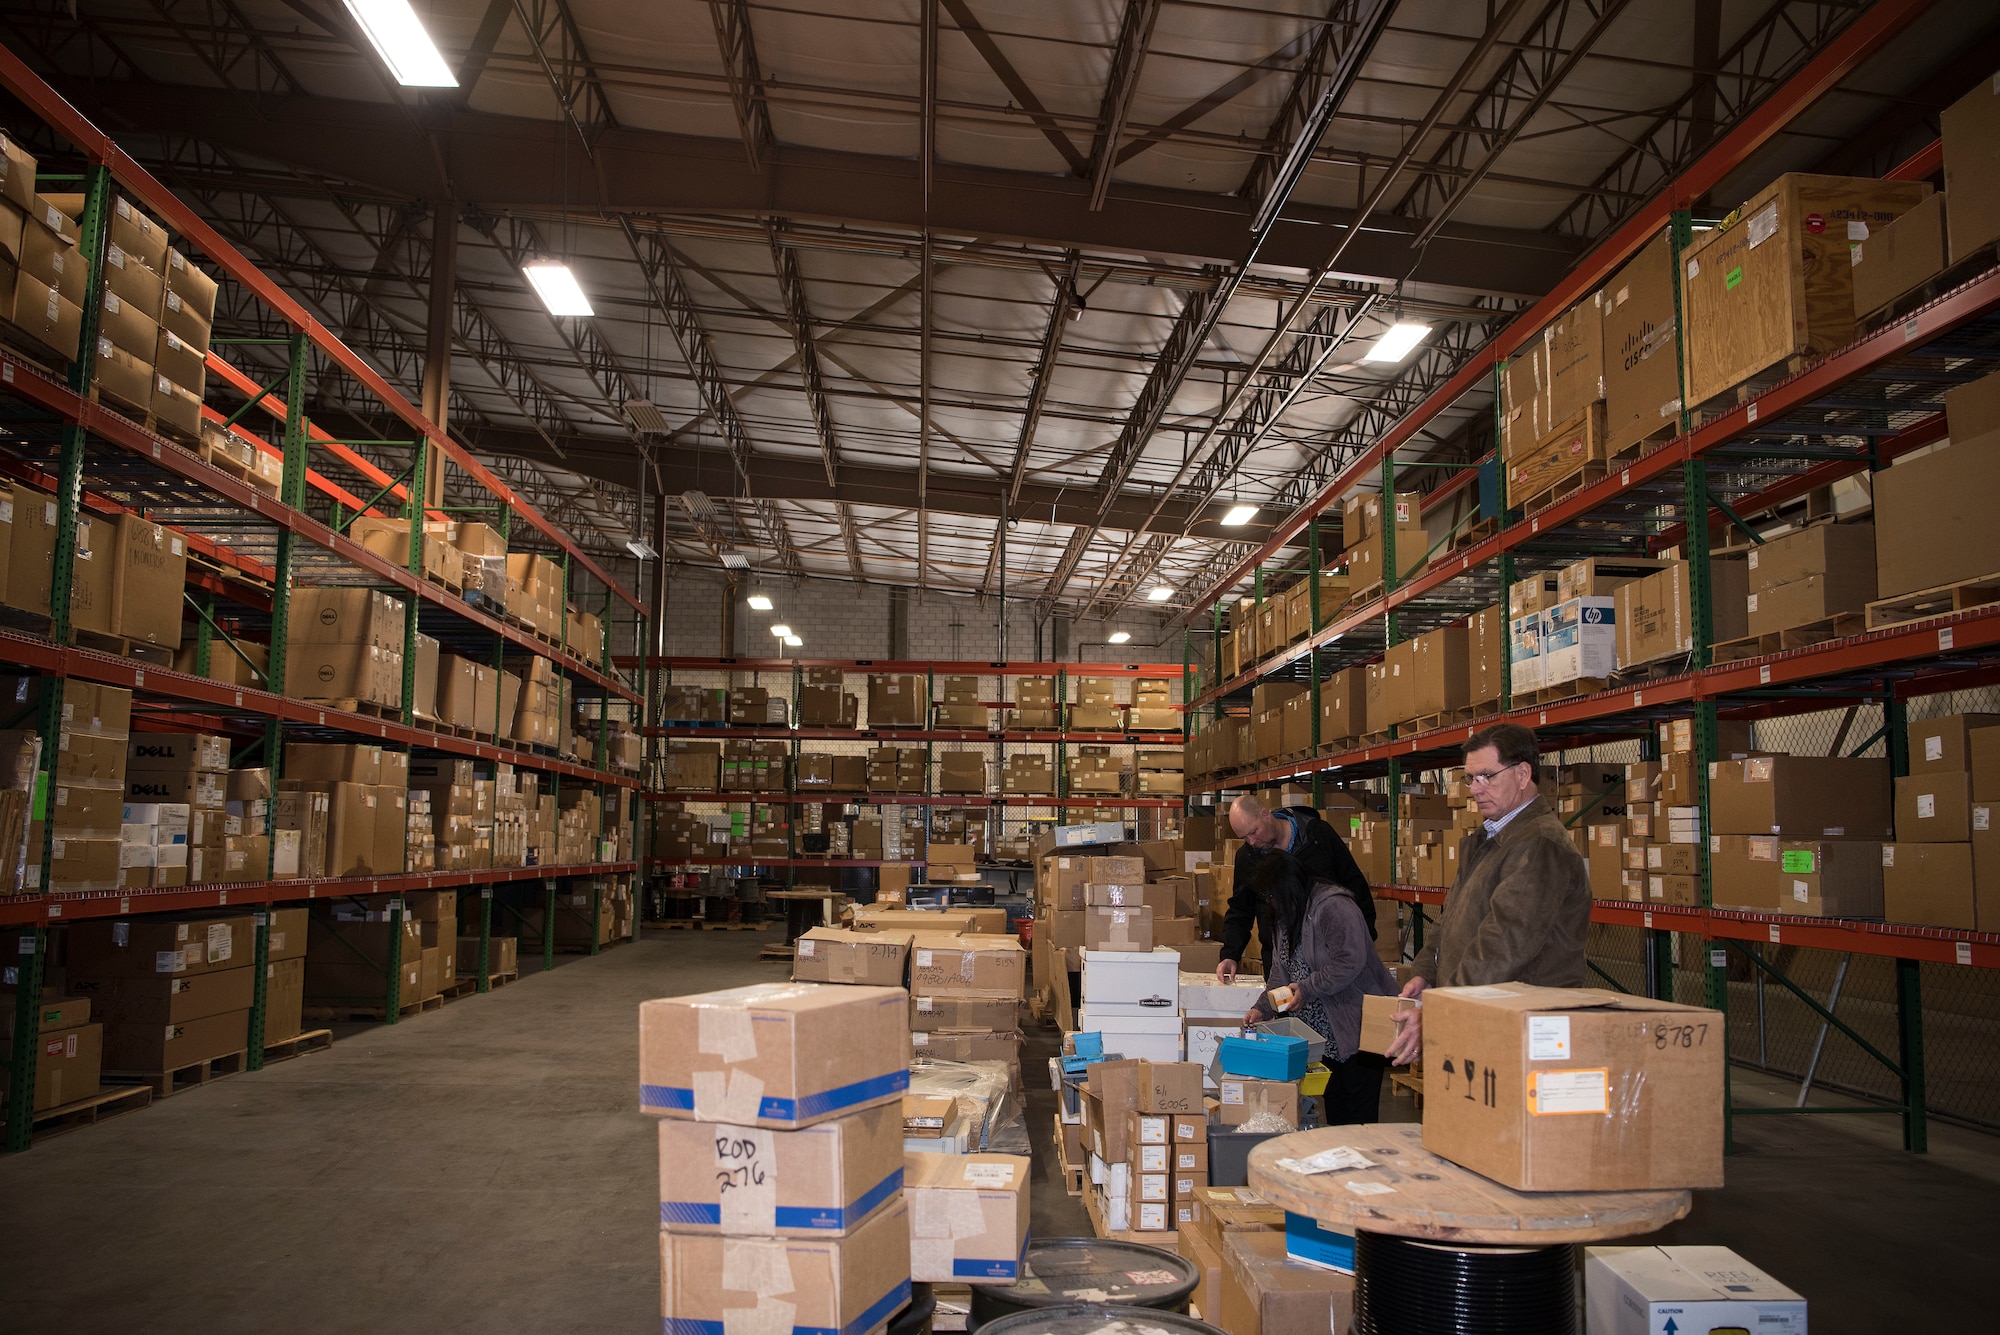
(853, 1283)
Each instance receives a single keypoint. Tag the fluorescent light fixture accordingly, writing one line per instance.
(642, 549)
(734, 560)
(793, 641)
(1397, 343)
(399, 38)
(1239, 515)
(556, 285)
(760, 602)
(1118, 637)
(1159, 593)
(781, 631)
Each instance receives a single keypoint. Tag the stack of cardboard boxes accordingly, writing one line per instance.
(1654, 613)
(1943, 870)
(874, 958)
(1813, 577)
(357, 946)
(365, 813)
(896, 769)
(42, 274)
(1153, 705)
(1776, 820)
(1932, 531)
(69, 1058)
(535, 593)
(823, 703)
(1365, 532)
(781, 1156)
(84, 805)
(1093, 769)
(702, 704)
(345, 644)
(1028, 774)
(1034, 703)
(390, 539)
(961, 707)
(962, 771)
(171, 991)
(965, 996)
(745, 767)
(1552, 414)
(1162, 772)
(1096, 708)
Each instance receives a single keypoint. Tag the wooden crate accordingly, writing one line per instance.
(1561, 454)
(1775, 287)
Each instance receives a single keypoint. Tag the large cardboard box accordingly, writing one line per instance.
(1574, 1089)
(1898, 256)
(1829, 878)
(1929, 885)
(141, 947)
(69, 1059)
(1640, 1290)
(1930, 530)
(781, 1055)
(711, 1282)
(284, 997)
(1440, 672)
(1971, 135)
(1801, 797)
(1777, 283)
(988, 965)
(148, 577)
(896, 701)
(165, 998)
(152, 1048)
(1944, 745)
(1122, 929)
(1642, 384)
(835, 955)
(968, 1217)
(1934, 808)
(1265, 1292)
(824, 1181)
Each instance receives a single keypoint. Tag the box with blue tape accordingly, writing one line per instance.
(823, 1181)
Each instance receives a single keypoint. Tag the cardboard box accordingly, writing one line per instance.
(981, 964)
(835, 955)
(824, 1181)
(1119, 929)
(1934, 808)
(1265, 1292)
(148, 577)
(1555, 1089)
(1828, 878)
(964, 1010)
(162, 999)
(1802, 797)
(1929, 885)
(1928, 534)
(285, 996)
(968, 1217)
(1240, 1099)
(1899, 256)
(1971, 135)
(1378, 1021)
(141, 947)
(775, 1054)
(855, 1283)
(68, 1060)
(159, 1048)
(1642, 390)
(1944, 745)
(1639, 1290)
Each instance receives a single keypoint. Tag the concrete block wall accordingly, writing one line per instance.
(841, 619)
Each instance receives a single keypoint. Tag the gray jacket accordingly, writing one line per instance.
(1519, 912)
(1335, 964)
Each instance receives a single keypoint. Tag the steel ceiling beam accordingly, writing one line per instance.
(1003, 68)
(637, 172)
(738, 47)
(1308, 81)
(805, 347)
(1135, 34)
(845, 513)
(1062, 309)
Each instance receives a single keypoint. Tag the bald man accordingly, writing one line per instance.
(1266, 832)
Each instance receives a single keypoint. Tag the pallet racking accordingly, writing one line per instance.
(1853, 412)
(250, 549)
(790, 672)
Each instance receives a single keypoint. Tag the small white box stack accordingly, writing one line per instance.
(1133, 999)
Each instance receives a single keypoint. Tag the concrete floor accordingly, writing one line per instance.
(486, 1168)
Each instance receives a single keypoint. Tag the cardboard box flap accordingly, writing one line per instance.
(1523, 998)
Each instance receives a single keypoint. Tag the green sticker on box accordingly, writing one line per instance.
(1732, 278)
(1797, 861)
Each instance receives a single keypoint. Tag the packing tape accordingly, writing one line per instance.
(727, 1096)
(746, 1166)
(932, 1260)
(938, 1213)
(727, 1032)
(771, 1316)
(756, 1265)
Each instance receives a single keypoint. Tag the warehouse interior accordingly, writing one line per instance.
(517, 512)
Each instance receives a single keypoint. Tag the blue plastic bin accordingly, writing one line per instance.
(1264, 1056)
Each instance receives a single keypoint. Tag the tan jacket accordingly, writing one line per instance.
(1519, 912)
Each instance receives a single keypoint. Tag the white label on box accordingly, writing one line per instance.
(1888, 855)
(999, 1176)
(1548, 1038)
(806, 950)
(1857, 230)
(1801, 891)
(1232, 1092)
(1926, 805)
(1933, 748)
(1152, 1158)
(1982, 818)
(169, 961)
(1552, 1093)
(1753, 602)
(1763, 224)
(220, 942)
(923, 959)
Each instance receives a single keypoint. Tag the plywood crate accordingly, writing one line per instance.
(1566, 451)
(1777, 284)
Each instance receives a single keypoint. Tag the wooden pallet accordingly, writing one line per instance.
(1432, 722)
(1798, 637)
(354, 1012)
(468, 983)
(387, 713)
(1408, 1082)
(1565, 488)
(776, 954)
(1935, 602)
(99, 1107)
(299, 1045)
(1569, 690)
(1072, 1173)
(163, 1083)
(1474, 534)
(1658, 670)
(703, 925)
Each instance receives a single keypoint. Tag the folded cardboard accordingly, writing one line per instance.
(773, 1054)
(823, 1181)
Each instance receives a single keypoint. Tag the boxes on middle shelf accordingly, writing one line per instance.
(345, 644)
(896, 701)
(896, 769)
(962, 772)
(1027, 773)
(1818, 573)
(391, 540)
(1094, 769)
(1366, 561)
(171, 991)
(1932, 533)
(959, 704)
(1801, 797)
(1152, 705)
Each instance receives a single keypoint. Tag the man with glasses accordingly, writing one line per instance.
(1520, 908)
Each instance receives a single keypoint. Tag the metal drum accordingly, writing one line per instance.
(915, 1318)
(1063, 1272)
(1088, 1319)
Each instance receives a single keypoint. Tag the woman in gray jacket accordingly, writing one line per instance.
(1326, 956)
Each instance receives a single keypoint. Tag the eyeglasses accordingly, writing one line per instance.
(1479, 780)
